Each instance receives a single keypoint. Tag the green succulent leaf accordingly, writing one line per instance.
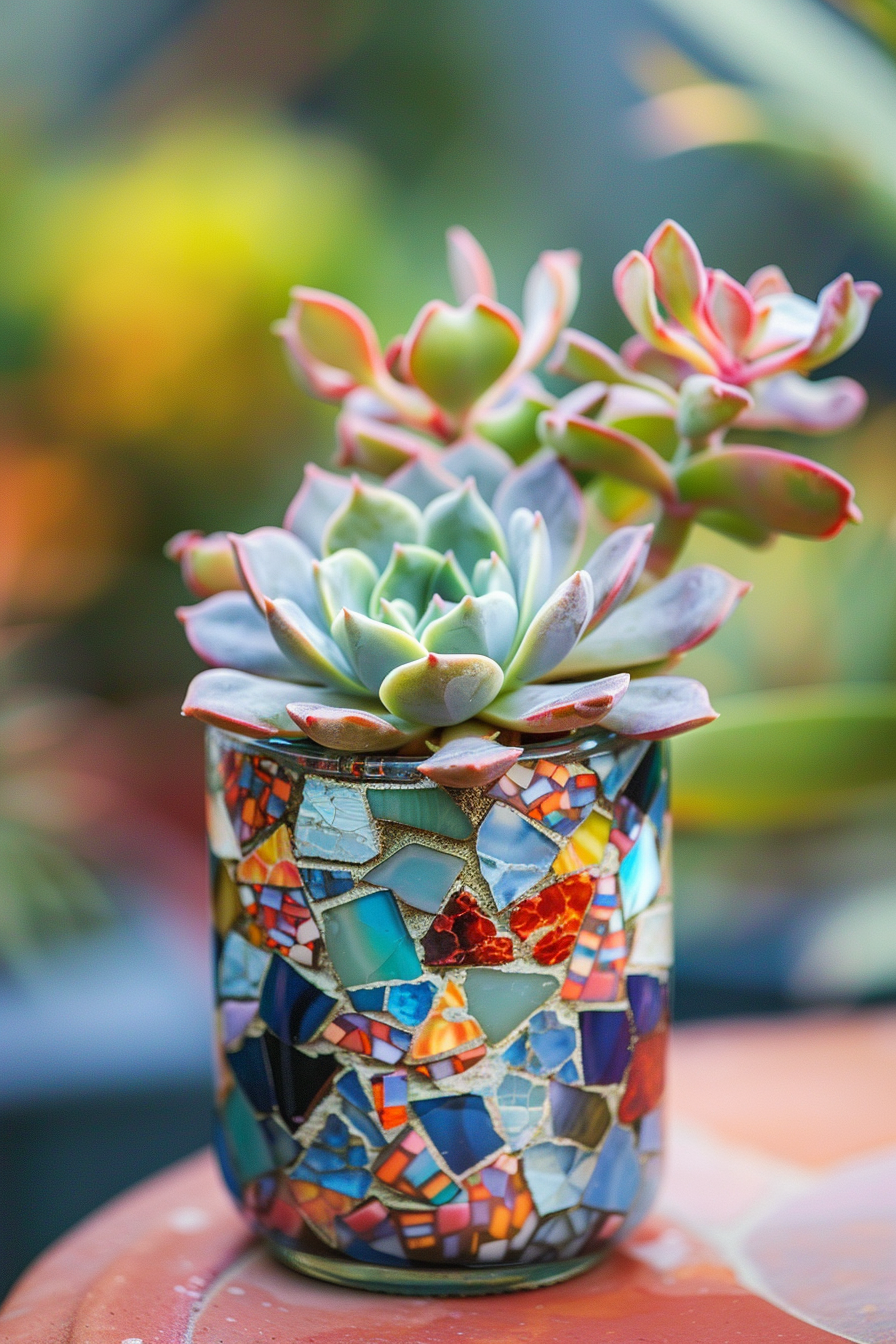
(658, 707)
(345, 729)
(240, 703)
(435, 610)
(556, 709)
(374, 647)
(316, 655)
(776, 490)
(615, 568)
(228, 630)
(376, 445)
(337, 335)
(409, 576)
(530, 564)
(843, 311)
(493, 576)
(475, 625)
(449, 581)
(398, 613)
(633, 283)
(274, 563)
(372, 519)
(707, 404)
(207, 564)
(469, 762)
(587, 360)
(455, 354)
(422, 481)
(680, 275)
(735, 525)
(585, 443)
(484, 461)
(320, 493)
(553, 632)
(462, 522)
(545, 484)
(643, 415)
(512, 423)
(345, 579)
(442, 689)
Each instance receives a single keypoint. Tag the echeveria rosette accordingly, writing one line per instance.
(369, 622)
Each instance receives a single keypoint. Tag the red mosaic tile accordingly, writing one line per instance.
(559, 907)
(646, 1077)
(463, 936)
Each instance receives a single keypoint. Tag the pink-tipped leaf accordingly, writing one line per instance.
(657, 707)
(240, 703)
(347, 729)
(228, 630)
(207, 564)
(468, 265)
(556, 709)
(469, 763)
(601, 448)
(615, 568)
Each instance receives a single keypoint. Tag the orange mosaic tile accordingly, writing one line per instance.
(560, 908)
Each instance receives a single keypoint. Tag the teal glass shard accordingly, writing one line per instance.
(501, 1000)
(521, 1104)
(333, 823)
(614, 1182)
(411, 1003)
(418, 875)
(430, 809)
(615, 769)
(557, 1175)
(639, 872)
(249, 1148)
(369, 1000)
(367, 940)
(241, 968)
(513, 854)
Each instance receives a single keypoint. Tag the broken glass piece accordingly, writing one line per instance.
(367, 940)
(652, 943)
(283, 922)
(324, 882)
(448, 1027)
(649, 999)
(249, 1149)
(438, 1069)
(409, 1167)
(241, 968)
(271, 863)
(550, 1043)
(569, 1073)
(368, 1233)
(256, 792)
(411, 1003)
(513, 854)
(501, 1000)
(368, 1000)
(291, 1006)
(333, 823)
(222, 839)
(300, 1080)
(642, 787)
(390, 1097)
(585, 847)
(236, 1014)
(614, 1182)
(460, 1129)
(598, 961)
(640, 873)
(606, 1046)
(282, 1145)
(576, 1114)
(249, 1064)
(463, 936)
(557, 1175)
(418, 875)
(560, 908)
(335, 1160)
(521, 1103)
(225, 898)
(650, 1132)
(366, 1036)
(426, 809)
(646, 1078)
(615, 769)
(357, 1109)
(548, 792)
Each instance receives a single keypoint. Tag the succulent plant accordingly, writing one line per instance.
(375, 618)
(457, 394)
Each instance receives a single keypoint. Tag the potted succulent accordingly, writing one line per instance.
(437, 779)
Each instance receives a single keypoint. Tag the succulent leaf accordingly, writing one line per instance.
(584, 359)
(332, 341)
(461, 521)
(774, 489)
(735, 525)
(469, 762)
(422, 480)
(455, 354)
(673, 616)
(241, 703)
(484, 624)
(469, 267)
(680, 276)
(320, 493)
(442, 689)
(374, 647)
(550, 295)
(633, 282)
(615, 568)
(731, 310)
(601, 448)
(228, 630)
(545, 484)
(409, 576)
(658, 707)
(493, 576)
(449, 581)
(375, 445)
(766, 281)
(315, 653)
(398, 613)
(843, 311)
(707, 404)
(556, 709)
(372, 519)
(275, 563)
(792, 402)
(530, 564)
(485, 462)
(553, 632)
(344, 579)
(344, 729)
(207, 563)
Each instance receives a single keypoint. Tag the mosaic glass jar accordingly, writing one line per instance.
(442, 1013)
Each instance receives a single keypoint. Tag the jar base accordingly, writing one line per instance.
(434, 1280)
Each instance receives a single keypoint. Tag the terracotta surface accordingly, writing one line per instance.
(780, 1204)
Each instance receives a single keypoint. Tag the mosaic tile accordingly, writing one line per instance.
(367, 940)
(277, 1211)
(411, 1003)
(640, 873)
(225, 1160)
(241, 968)
(283, 922)
(569, 1073)
(366, 1036)
(440, 1069)
(616, 769)
(369, 1000)
(597, 964)
(448, 1027)
(428, 809)
(463, 936)
(617, 1173)
(652, 944)
(548, 792)
(409, 1167)
(369, 1233)
(321, 883)
(649, 1000)
(513, 854)
(335, 1160)
(418, 875)
(644, 783)
(256, 793)
(300, 1080)
(650, 1132)
(646, 1078)
(606, 1046)
(292, 1006)
(226, 904)
(390, 1098)
(251, 1069)
(282, 1145)
(357, 1108)
(249, 1149)
(585, 847)
(559, 908)
(521, 1104)
(236, 1014)
(660, 806)
(550, 1043)
(271, 863)
(222, 839)
(557, 1175)
(501, 1000)
(460, 1128)
(333, 823)
(576, 1114)
(515, 1054)
(567, 1231)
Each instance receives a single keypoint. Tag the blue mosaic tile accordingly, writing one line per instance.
(649, 1000)
(460, 1128)
(557, 1175)
(428, 809)
(650, 1132)
(333, 823)
(615, 770)
(660, 806)
(336, 1161)
(358, 1110)
(249, 1149)
(282, 1145)
(616, 1177)
(251, 1070)
(367, 940)
(321, 883)
(241, 968)
(643, 785)
(236, 1014)
(292, 1006)
(300, 1080)
(550, 1043)
(640, 873)
(513, 854)
(521, 1103)
(515, 1054)
(411, 1003)
(606, 1046)
(569, 1073)
(369, 1000)
(418, 875)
